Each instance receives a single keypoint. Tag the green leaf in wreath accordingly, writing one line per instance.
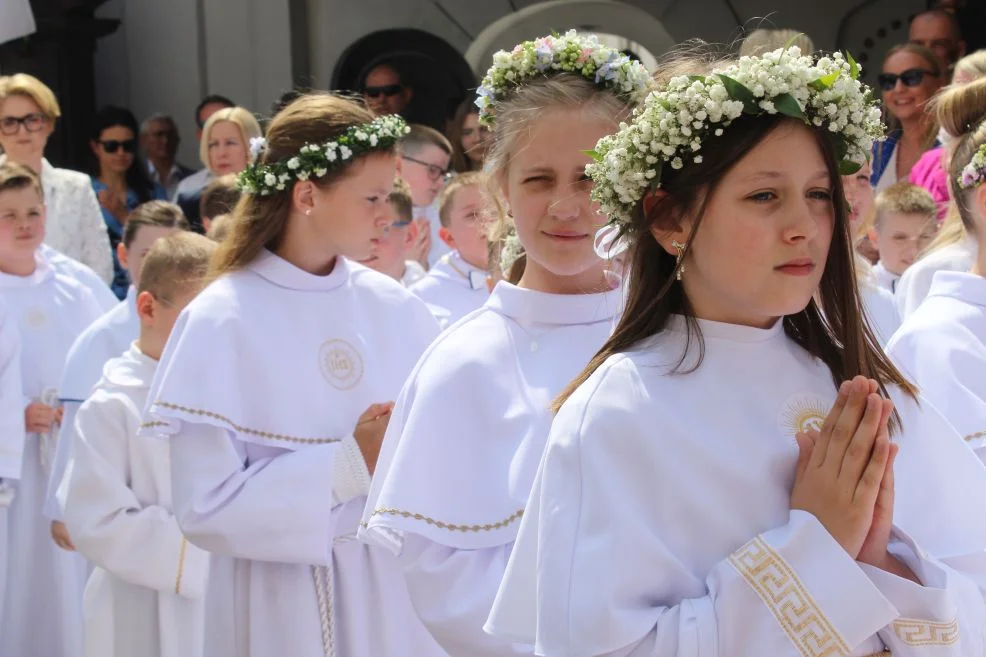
(848, 167)
(593, 155)
(825, 82)
(737, 91)
(853, 66)
(788, 106)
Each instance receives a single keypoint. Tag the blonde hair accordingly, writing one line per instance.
(962, 113)
(22, 84)
(238, 116)
(259, 221)
(972, 65)
(457, 184)
(17, 176)
(515, 116)
(766, 39)
(903, 198)
(219, 227)
(176, 263)
(401, 199)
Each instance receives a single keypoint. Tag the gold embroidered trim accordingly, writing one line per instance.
(241, 429)
(151, 425)
(780, 589)
(447, 525)
(181, 564)
(885, 653)
(980, 434)
(926, 633)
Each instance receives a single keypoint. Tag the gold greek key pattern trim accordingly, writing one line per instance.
(780, 589)
(181, 564)
(241, 429)
(926, 633)
(447, 525)
(152, 425)
(980, 434)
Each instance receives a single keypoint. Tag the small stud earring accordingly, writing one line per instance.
(677, 262)
(308, 212)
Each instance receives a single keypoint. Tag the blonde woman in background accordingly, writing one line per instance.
(75, 228)
(223, 149)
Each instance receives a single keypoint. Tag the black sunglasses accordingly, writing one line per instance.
(9, 125)
(113, 145)
(912, 77)
(386, 90)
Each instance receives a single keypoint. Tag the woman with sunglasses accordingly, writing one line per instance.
(910, 76)
(119, 180)
(74, 227)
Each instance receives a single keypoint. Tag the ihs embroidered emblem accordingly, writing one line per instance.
(803, 412)
(341, 364)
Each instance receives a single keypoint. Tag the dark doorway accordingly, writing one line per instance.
(435, 70)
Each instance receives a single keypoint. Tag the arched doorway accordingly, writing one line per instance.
(600, 16)
(437, 72)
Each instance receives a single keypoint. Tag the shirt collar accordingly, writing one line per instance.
(282, 273)
(562, 309)
(970, 288)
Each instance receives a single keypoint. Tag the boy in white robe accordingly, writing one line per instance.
(51, 310)
(106, 338)
(457, 281)
(423, 165)
(82, 273)
(11, 427)
(904, 224)
(145, 596)
(391, 250)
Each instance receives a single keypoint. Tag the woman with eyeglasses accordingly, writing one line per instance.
(910, 76)
(74, 227)
(119, 180)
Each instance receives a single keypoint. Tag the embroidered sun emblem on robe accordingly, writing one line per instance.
(803, 412)
(341, 364)
(35, 318)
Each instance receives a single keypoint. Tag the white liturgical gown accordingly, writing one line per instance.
(878, 305)
(660, 522)
(259, 389)
(454, 286)
(463, 446)
(11, 426)
(108, 337)
(913, 286)
(146, 594)
(63, 264)
(942, 348)
(43, 581)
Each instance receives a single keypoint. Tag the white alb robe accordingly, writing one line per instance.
(108, 337)
(913, 286)
(43, 581)
(885, 278)
(11, 427)
(942, 348)
(83, 274)
(265, 472)
(146, 594)
(878, 306)
(413, 272)
(660, 522)
(454, 286)
(463, 446)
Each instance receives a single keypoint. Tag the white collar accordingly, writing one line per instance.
(563, 309)
(42, 272)
(456, 268)
(966, 287)
(282, 273)
(134, 369)
(728, 332)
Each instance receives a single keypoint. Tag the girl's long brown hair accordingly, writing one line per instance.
(258, 222)
(837, 333)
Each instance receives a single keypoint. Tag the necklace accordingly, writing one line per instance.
(534, 337)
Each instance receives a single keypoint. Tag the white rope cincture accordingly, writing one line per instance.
(324, 593)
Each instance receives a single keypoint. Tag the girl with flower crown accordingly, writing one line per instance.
(943, 344)
(719, 481)
(274, 391)
(461, 451)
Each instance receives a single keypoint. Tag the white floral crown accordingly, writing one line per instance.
(317, 159)
(673, 123)
(510, 251)
(974, 173)
(570, 53)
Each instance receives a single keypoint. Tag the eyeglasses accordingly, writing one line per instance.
(387, 90)
(33, 122)
(403, 223)
(113, 145)
(164, 134)
(912, 77)
(434, 172)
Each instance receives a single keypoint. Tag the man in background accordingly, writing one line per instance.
(159, 138)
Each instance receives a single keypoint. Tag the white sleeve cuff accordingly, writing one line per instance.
(350, 477)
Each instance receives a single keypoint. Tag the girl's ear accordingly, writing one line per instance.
(303, 197)
(668, 232)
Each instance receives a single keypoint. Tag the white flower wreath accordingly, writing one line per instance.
(317, 159)
(974, 173)
(581, 55)
(673, 122)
